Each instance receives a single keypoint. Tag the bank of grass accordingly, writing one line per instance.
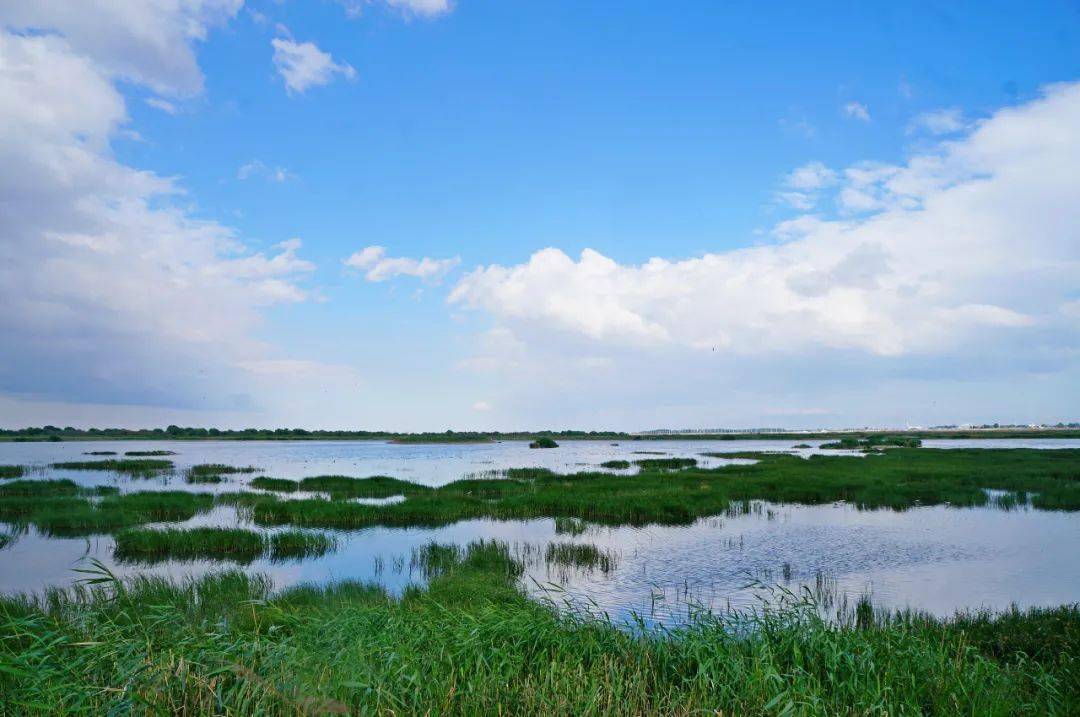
(147, 545)
(62, 508)
(150, 453)
(373, 487)
(218, 469)
(667, 464)
(142, 544)
(136, 466)
(278, 485)
(7, 472)
(615, 465)
(472, 643)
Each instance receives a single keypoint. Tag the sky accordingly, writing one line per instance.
(483, 215)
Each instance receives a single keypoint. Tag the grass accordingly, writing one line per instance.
(198, 478)
(139, 545)
(579, 555)
(12, 472)
(472, 643)
(280, 485)
(876, 441)
(208, 469)
(297, 544)
(150, 453)
(99, 453)
(373, 487)
(616, 465)
(667, 464)
(62, 508)
(143, 545)
(123, 465)
(544, 442)
(897, 479)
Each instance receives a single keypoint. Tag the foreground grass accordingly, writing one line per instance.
(471, 643)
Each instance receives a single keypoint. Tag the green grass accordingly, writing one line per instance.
(150, 453)
(897, 479)
(616, 465)
(373, 487)
(580, 555)
(12, 471)
(297, 544)
(198, 478)
(99, 453)
(875, 441)
(133, 465)
(61, 508)
(143, 545)
(280, 485)
(140, 544)
(208, 469)
(471, 643)
(667, 464)
(544, 442)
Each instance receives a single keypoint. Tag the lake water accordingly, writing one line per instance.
(937, 559)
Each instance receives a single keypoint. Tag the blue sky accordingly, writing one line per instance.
(781, 162)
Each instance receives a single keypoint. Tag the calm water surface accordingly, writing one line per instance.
(937, 559)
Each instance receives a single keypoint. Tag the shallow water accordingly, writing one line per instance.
(937, 559)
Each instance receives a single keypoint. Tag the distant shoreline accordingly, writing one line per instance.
(34, 435)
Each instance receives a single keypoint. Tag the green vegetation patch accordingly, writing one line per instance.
(218, 469)
(472, 643)
(544, 442)
(579, 555)
(12, 472)
(666, 464)
(134, 465)
(373, 487)
(874, 441)
(280, 485)
(140, 544)
(298, 544)
(615, 465)
(150, 453)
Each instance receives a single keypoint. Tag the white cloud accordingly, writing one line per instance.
(945, 121)
(148, 42)
(421, 8)
(482, 406)
(857, 110)
(379, 267)
(163, 105)
(114, 293)
(802, 185)
(303, 65)
(948, 257)
(258, 168)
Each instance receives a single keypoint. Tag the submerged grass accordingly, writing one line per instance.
(472, 643)
(579, 555)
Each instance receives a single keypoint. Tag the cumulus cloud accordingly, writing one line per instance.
(377, 266)
(149, 42)
(857, 110)
(303, 65)
(113, 291)
(944, 257)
